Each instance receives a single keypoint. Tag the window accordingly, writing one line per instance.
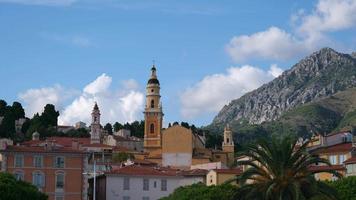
(19, 175)
(154, 184)
(145, 198)
(59, 162)
(152, 103)
(18, 161)
(227, 140)
(37, 161)
(164, 185)
(333, 160)
(342, 158)
(38, 179)
(126, 183)
(152, 128)
(125, 198)
(59, 181)
(146, 185)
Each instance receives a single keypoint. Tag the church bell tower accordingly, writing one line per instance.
(228, 143)
(95, 127)
(153, 115)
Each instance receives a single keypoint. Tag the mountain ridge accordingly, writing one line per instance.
(319, 75)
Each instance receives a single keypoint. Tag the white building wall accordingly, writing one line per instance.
(115, 185)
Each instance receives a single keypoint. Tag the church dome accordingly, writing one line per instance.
(153, 81)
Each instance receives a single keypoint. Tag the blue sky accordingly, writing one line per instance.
(206, 52)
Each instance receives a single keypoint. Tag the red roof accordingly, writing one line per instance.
(64, 141)
(326, 167)
(350, 160)
(236, 171)
(38, 149)
(137, 170)
(98, 145)
(343, 147)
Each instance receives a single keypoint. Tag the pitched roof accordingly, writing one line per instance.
(351, 160)
(38, 149)
(326, 167)
(342, 147)
(236, 171)
(137, 170)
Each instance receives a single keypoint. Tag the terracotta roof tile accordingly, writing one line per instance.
(236, 171)
(137, 170)
(343, 147)
(42, 149)
(326, 167)
(350, 160)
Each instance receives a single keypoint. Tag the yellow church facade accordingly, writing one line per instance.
(177, 146)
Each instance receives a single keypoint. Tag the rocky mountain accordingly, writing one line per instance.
(320, 75)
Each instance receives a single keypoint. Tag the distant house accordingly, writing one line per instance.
(220, 176)
(142, 182)
(53, 167)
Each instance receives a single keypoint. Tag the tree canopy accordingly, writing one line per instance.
(279, 169)
(12, 189)
(202, 192)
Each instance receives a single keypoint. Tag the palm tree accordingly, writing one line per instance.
(279, 169)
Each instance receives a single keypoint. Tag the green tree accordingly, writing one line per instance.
(279, 169)
(121, 157)
(17, 110)
(3, 107)
(117, 126)
(49, 116)
(11, 189)
(108, 128)
(202, 192)
(346, 187)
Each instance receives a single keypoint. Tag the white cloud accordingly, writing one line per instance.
(329, 15)
(214, 91)
(275, 71)
(310, 33)
(123, 105)
(41, 2)
(274, 43)
(35, 99)
(99, 85)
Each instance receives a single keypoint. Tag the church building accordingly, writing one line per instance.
(177, 146)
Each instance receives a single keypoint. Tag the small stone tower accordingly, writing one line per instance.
(228, 143)
(153, 115)
(95, 128)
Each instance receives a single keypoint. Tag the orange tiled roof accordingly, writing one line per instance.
(37, 149)
(236, 171)
(136, 170)
(98, 145)
(63, 141)
(326, 167)
(351, 160)
(343, 147)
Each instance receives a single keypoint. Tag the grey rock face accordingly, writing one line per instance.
(319, 75)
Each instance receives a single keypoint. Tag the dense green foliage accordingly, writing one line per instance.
(11, 189)
(121, 157)
(346, 188)
(202, 192)
(108, 128)
(282, 172)
(10, 114)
